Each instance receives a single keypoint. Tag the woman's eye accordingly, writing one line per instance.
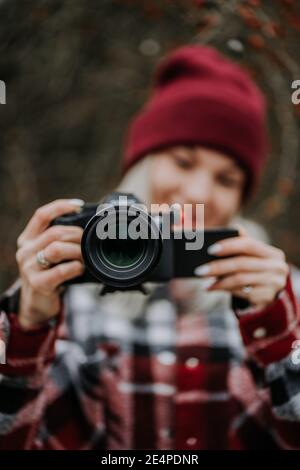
(228, 181)
(182, 162)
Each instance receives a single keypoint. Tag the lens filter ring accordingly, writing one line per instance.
(121, 262)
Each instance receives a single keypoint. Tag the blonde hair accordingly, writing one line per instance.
(137, 181)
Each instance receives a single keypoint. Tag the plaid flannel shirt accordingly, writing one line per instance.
(167, 379)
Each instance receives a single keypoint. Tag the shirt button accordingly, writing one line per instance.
(259, 333)
(191, 441)
(166, 358)
(192, 362)
(165, 433)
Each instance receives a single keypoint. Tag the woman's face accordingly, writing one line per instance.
(191, 175)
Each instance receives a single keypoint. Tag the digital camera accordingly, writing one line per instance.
(124, 245)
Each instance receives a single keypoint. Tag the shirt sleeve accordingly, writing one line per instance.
(269, 333)
(51, 394)
(25, 351)
(272, 340)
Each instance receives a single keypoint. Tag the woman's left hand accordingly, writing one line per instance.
(255, 270)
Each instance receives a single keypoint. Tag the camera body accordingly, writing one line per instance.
(128, 259)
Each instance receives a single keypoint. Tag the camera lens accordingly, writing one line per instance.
(122, 253)
(119, 259)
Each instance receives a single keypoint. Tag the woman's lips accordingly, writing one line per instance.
(190, 222)
(186, 222)
(183, 220)
(190, 219)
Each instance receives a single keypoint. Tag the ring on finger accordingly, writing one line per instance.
(247, 289)
(42, 260)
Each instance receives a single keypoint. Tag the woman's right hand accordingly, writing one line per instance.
(40, 286)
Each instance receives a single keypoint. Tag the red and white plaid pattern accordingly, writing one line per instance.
(166, 379)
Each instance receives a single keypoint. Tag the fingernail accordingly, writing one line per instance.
(77, 202)
(215, 248)
(202, 270)
(207, 282)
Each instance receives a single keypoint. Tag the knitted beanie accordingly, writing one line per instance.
(201, 98)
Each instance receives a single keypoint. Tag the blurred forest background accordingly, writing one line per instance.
(76, 71)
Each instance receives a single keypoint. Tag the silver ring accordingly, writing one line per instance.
(247, 289)
(41, 260)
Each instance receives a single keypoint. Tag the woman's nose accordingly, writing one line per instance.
(197, 189)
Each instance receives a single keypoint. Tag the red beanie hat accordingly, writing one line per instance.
(202, 98)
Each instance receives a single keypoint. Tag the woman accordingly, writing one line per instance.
(181, 367)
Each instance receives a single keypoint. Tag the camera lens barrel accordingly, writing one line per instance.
(127, 251)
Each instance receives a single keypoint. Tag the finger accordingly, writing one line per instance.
(243, 279)
(61, 251)
(48, 280)
(247, 246)
(55, 253)
(61, 233)
(45, 214)
(223, 267)
(260, 296)
(55, 233)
